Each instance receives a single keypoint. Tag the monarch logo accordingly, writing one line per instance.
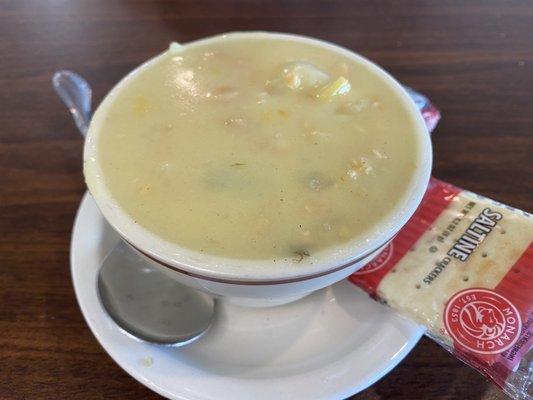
(482, 321)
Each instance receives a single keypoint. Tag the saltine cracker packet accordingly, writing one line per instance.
(463, 267)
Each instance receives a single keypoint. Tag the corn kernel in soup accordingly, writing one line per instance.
(257, 148)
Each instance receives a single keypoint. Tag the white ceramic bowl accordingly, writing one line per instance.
(252, 281)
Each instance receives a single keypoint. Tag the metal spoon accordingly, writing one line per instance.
(141, 300)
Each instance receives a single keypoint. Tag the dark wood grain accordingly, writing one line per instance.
(474, 59)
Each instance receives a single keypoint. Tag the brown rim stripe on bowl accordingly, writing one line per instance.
(256, 282)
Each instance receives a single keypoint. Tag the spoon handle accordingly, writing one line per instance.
(76, 94)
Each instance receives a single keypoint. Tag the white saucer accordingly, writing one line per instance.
(329, 345)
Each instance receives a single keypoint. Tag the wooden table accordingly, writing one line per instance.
(474, 59)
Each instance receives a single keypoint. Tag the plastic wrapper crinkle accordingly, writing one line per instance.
(463, 267)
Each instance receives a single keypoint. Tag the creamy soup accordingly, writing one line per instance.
(257, 148)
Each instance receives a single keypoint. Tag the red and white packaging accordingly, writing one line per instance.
(463, 267)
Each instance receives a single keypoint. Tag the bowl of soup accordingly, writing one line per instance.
(257, 166)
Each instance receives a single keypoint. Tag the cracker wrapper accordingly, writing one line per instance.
(463, 267)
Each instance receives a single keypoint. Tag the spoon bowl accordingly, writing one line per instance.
(147, 304)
